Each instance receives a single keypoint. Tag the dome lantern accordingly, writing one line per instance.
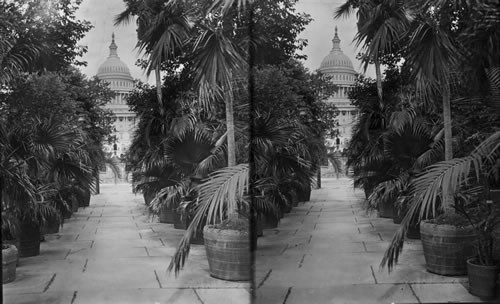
(112, 47)
(336, 41)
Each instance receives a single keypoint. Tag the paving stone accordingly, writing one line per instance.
(110, 277)
(136, 296)
(26, 282)
(217, 296)
(412, 274)
(327, 248)
(33, 266)
(270, 295)
(270, 249)
(446, 293)
(194, 275)
(381, 246)
(161, 251)
(340, 227)
(314, 271)
(353, 294)
(39, 298)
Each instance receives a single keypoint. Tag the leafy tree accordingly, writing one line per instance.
(381, 28)
(276, 26)
(162, 28)
(67, 98)
(38, 35)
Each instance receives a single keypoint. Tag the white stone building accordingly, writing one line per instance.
(117, 74)
(339, 67)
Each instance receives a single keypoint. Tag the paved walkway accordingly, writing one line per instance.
(325, 251)
(329, 250)
(111, 252)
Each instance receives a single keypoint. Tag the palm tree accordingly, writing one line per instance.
(381, 27)
(433, 55)
(480, 165)
(409, 145)
(162, 29)
(219, 61)
(37, 158)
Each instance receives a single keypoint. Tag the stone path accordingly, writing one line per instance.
(329, 250)
(324, 251)
(111, 252)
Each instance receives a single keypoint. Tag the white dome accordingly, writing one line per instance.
(113, 65)
(337, 65)
(115, 71)
(336, 59)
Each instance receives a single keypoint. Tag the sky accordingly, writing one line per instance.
(319, 33)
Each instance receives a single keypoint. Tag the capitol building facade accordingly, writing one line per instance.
(117, 74)
(339, 68)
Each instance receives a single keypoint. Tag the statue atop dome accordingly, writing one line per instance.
(112, 47)
(336, 41)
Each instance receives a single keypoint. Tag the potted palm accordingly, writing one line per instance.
(482, 269)
(9, 261)
(425, 191)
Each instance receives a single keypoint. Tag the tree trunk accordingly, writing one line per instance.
(97, 180)
(378, 73)
(318, 178)
(379, 90)
(159, 94)
(448, 194)
(231, 143)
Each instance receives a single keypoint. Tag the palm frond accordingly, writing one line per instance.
(224, 187)
(426, 188)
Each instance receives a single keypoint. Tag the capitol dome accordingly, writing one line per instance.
(114, 71)
(337, 65)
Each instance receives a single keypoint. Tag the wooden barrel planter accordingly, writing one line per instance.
(75, 204)
(385, 210)
(84, 200)
(495, 234)
(197, 238)
(179, 222)
(9, 262)
(270, 221)
(166, 215)
(29, 240)
(259, 227)
(15, 243)
(413, 232)
(304, 195)
(447, 247)
(286, 208)
(67, 214)
(51, 227)
(482, 279)
(228, 253)
(397, 215)
(294, 198)
(183, 224)
(148, 197)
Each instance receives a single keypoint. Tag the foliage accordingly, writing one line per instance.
(37, 159)
(276, 26)
(214, 59)
(38, 35)
(49, 154)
